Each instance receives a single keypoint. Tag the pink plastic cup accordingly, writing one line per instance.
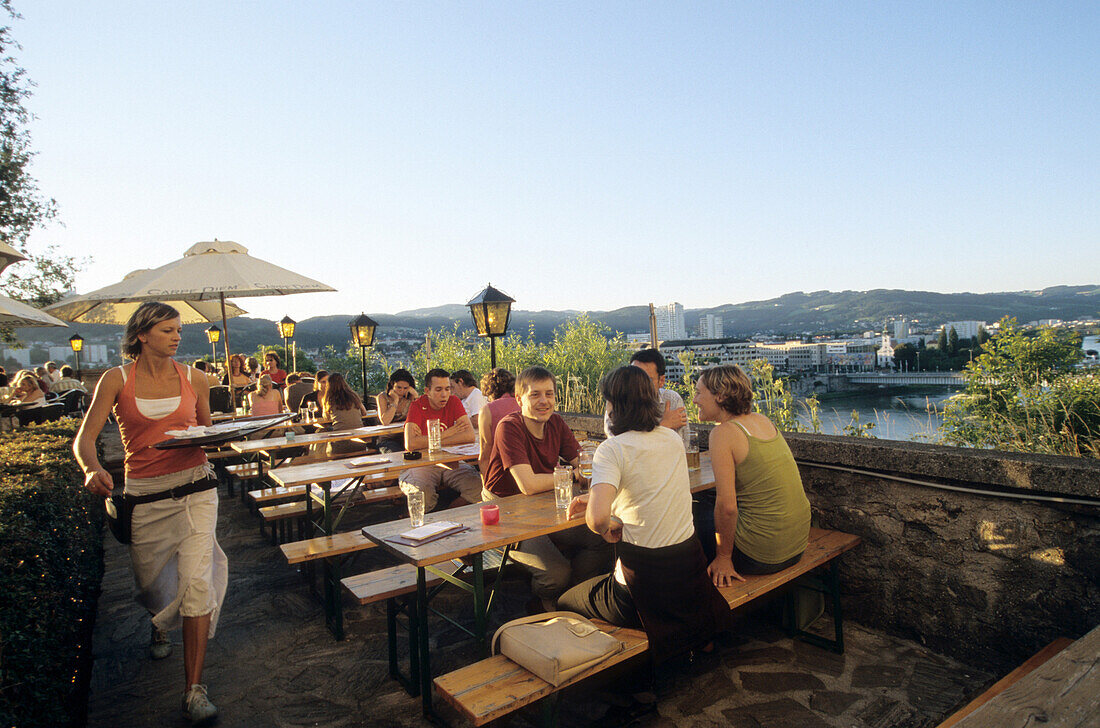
(490, 514)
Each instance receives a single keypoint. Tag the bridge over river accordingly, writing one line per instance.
(889, 380)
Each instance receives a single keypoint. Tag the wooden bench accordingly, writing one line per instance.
(1008, 680)
(267, 495)
(392, 584)
(496, 686)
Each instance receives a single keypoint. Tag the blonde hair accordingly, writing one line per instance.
(731, 387)
(264, 385)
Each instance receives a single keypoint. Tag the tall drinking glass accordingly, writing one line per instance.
(586, 468)
(415, 497)
(435, 437)
(563, 486)
(691, 447)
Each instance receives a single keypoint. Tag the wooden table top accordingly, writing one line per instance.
(384, 465)
(521, 517)
(1064, 691)
(279, 443)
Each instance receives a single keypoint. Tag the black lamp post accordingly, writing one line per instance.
(362, 333)
(214, 335)
(286, 330)
(491, 309)
(76, 341)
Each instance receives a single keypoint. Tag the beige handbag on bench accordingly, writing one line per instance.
(556, 646)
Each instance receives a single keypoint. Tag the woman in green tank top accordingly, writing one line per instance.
(761, 514)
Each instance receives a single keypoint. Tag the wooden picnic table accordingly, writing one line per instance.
(270, 445)
(521, 517)
(352, 476)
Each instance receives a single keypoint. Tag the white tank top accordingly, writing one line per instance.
(156, 408)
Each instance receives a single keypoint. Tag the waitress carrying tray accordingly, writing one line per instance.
(224, 432)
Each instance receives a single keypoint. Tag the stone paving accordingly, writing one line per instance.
(273, 663)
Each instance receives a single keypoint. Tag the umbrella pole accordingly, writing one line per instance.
(225, 338)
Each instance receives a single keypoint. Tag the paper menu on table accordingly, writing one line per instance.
(468, 449)
(360, 462)
(431, 530)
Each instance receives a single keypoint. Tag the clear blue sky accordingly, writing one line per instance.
(578, 155)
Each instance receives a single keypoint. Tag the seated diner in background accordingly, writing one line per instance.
(207, 369)
(237, 379)
(44, 380)
(318, 392)
(27, 392)
(437, 404)
(640, 499)
(464, 386)
(67, 382)
(527, 446)
(500, 386)
(673, 411)
(296, 389)
(266, 400)
(393, 406)
(252, 368)
(273, 368)
(343, 406)
(761, 513)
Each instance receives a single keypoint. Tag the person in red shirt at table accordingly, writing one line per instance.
(527, 446)
(274, 369)
(437, 404)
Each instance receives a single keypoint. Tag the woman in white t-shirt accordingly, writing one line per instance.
(640, 500)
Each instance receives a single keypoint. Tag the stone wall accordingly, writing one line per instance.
(988, 578)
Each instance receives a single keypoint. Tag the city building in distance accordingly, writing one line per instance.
(709, 327)
(670, 322)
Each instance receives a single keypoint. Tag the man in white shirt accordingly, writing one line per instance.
(652, 362)
(53, 373)
(465, 388)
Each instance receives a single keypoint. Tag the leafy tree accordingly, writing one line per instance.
(1024, 393)
(953, 342)
(905, 357)
(43, 277)
(941, 340)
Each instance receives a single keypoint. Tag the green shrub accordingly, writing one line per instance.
(51, 565)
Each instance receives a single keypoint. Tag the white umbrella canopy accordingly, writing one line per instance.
(208, 271)
(85, 310)
(9, 255)
(16, 314)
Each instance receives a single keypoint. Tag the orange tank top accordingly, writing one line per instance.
(139, 433)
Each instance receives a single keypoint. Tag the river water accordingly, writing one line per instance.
(896, 417)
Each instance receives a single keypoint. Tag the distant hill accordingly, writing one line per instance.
(790, 314)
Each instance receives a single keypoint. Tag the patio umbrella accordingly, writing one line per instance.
(86, 310)
(9, 255)
(208, 271)
(16, 314)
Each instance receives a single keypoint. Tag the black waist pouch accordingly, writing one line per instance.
(120, 507)
(120, 513)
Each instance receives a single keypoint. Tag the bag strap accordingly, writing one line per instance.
(544, 617)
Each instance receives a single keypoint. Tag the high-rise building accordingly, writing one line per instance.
(670, 322)
(965, 329)
(901, 328)
(709, 327)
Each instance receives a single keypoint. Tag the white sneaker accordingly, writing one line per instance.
(159, 644)
(197, 707)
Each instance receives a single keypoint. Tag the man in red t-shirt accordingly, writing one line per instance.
(437, 404)
(526, 447)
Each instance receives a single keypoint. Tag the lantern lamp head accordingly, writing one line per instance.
(491, 309)
(213, 334)
(76, 341)
(286, 327)
(362, 330)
